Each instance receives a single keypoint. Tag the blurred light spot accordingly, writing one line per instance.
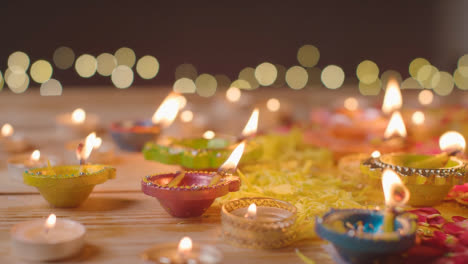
(425, 76)
(266, 74)
(296, 77)
(418, 118)
(52, 87)
(122, 76)
(461, 80)
(370, 89)
(17, 81)
(351, 104)
(425, 97)
(186, 116)
(2, 82)
(314, 77)
(273, 105)
(41, 71)
(147, 67)
(125, 56)
(442, 83)
(186, 70)
(206, 85)
(248, 74)
(367, 72)
(241, 84)
(184, 85)
(18, 61)
(410, 83)
(106, 64)
(416, 65)
(223, 81)
(281, 75)
(333, 77)
(86, 65)
(183, 101)
(209, 134)
(63, 57)
(308, 55)
(233, 94)
(390, 75)
(463, 61)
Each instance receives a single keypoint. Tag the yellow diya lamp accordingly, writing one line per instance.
(69, 185)
(12, 142)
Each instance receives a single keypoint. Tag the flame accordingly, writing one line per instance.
(395, 192)
(452, 140)
(167, 111)
(186, 116)
(185, 245)
(51, 220)
(251, 211)
(7, 130)
(209, 134)
(87, 147)
(396, 126)
(36, 155)
(78, 116)
(418, 118)
(233, 94)
(351, 104)
(251, 126)
(97, 143)
(375, 154)
(231, 163)
(392, 99)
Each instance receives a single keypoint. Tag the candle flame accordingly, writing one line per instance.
(351, 104)
(231, 163)
(36, 155)
(418, 118)
(233, 94)
(7, 130)
(51, 220)
(375, 154)
(167, 111)
(78, 116)
(425, 97)
(85, 150)
(185, 245)
(97, 142)
(251, 126)
(396, 126)
(451, 141)
(186, 116)
(395, 192)
(251, 211)
(209, 134)
(392, 99)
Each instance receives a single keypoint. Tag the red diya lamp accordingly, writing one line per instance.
(191, 193)
(132, 135)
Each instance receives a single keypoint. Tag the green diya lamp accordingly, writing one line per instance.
(204, 153)
(428, 177)
(69, 185)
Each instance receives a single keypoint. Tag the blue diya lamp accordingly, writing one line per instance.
(357, 234)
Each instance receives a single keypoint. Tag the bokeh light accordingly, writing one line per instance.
(233, 94)
(206, 85)
(367, 72)
(308, 55)
(209, 134)
(63, 57)
(463, 61)
(418, 118)
(333, 77)
(416, 65)
(460, 77)
(248, 74)
(186, 116)
(186, 70)
(147, 67)
(273, 105)
(17, 81)
(296, 77)
(241, 84)
(266, 74)
(351, 104)
(18, 61)
(125, 56)
(223, 81)
(184, 85)
(41, 71)
(442, 83)
(86, 65)
(122, 76)
(425, 76)
(370, 89)
(410, 83)
(425, 97)
(106, 63)
(51, 87)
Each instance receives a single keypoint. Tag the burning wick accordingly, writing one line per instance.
(185, 247)
(251, 127)
(7, 130)
(251, 212)
(375, 154)
(35, 156)
(209, 134)
(168, 110)
(396, 194)
(50, 223)
(78, 116)
(84, 150)
(230, 165)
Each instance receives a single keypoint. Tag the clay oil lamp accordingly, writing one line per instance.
(369, 236)
(131, 135)
(69, 185)
(191, 193)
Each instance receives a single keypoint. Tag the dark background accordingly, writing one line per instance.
(225, 37)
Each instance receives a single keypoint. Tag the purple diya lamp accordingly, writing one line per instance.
(191, 193)
(132, 135)
(367, 236)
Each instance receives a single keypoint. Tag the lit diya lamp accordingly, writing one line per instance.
(11, 142)
(191, 193)
(77, 123)
(132, 135)
(21, 162)
(103, 151)
(69, 185)
(428, 177)
(207, 152)
(367, 236)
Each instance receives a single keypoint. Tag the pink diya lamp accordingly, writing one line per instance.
(191, 193)
(132, 135)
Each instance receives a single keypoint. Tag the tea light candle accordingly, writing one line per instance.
(184, 252)
(53, 239)
(103, 151)
(77, 123)
(11, 142)
(19, 163)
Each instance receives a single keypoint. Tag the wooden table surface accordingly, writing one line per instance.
(121, 221)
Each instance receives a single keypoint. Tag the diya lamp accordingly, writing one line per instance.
(367, 236)
(50, 240)
(103, 151)
(69, 185)
(77, 123)
(185, 252)
(191, 193)
(132, 135)
(207, 152)
(429, 177)
(11, 142)
(258, 222)
(21, 162)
